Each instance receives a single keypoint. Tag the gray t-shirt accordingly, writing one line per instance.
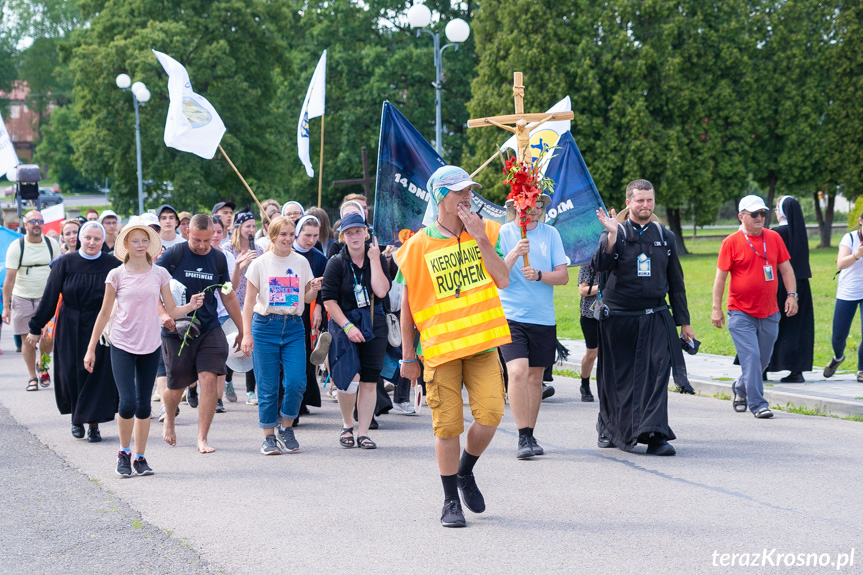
(584, 274)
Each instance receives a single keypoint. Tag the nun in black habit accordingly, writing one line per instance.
(795, 344)
(638, 345)
(80, 278)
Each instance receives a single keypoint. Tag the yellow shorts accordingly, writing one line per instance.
(482, 375)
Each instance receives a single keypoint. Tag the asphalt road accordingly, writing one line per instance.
(737, 485)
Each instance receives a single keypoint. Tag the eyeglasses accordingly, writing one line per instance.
(137, 243)
(40, 222)
(293, 214)
(759, 214)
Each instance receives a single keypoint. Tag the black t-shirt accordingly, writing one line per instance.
(339, 280)
(196, 273)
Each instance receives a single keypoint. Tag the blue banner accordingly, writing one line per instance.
(406, 161)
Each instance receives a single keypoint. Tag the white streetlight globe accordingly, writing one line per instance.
(12, 175)
(143, 95)
(419, 16)
(137, 87)
(457, 30)
(123, 81)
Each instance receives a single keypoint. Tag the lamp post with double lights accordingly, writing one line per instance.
(140, 96)
(457, 31)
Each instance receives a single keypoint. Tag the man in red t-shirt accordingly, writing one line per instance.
(753, 255)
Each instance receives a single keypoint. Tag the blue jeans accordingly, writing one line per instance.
(279, 346)
(843, 316)
(754, 338)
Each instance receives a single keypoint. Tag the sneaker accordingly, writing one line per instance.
(230, 394)
(470, 493)
(452, 515)
(219, 407)
(333, 393)
(162, 413)
(388, 386)
(547, 391)
(192, 397)
(537, 449)
(251, 398)
(405, 408)
(833, 366)
(141, 467)
(270, 446)
(156, 396)
(318, 356)
(124, 467)
(525, 448)
(288, 440)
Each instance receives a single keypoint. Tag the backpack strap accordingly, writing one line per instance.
(175, 256)
(21, 244)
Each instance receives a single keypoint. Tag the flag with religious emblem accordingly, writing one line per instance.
(406, 160)
(8, 157)
(313, 106)
(193, 125)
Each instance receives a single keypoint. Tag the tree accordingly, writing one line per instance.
(56, 151)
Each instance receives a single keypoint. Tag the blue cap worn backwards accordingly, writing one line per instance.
(448, 178)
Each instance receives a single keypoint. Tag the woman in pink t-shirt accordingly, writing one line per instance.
(134, 336)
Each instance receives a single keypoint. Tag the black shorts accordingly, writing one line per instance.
(371, 353)
(537, 343)
(590, 329)
(206, 352)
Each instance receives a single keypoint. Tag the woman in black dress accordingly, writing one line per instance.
(796, 342)
(80, 278)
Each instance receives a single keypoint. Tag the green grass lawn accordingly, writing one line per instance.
(699, 268)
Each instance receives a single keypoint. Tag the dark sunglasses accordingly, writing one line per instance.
(759, 214)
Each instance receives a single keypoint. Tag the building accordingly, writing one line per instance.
(21, 122)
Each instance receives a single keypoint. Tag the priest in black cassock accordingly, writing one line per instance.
(79, 277)
(638, 343)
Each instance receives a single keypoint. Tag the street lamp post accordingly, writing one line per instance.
(140, 96)
(457, 31)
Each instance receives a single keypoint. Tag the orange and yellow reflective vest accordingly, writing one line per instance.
(452, 296)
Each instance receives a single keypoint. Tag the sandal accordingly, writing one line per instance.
(45, 379)
(365, 442)
(33, 384)
(739, 405)
(346, 438)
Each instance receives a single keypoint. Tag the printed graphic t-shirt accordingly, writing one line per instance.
(197, 273)
(281, 283)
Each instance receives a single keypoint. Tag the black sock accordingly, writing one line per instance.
(465, 465)
(450, 487)
(585, 382)
(524, 431)
(530, 432)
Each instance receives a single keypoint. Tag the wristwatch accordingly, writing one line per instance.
(539, 276)
(793, 294)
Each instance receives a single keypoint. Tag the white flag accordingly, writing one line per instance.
(547, 134)
(193, 125)
(313, 106)
(8, 157)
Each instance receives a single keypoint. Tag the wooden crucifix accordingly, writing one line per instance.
(520, 120)
(365, 181)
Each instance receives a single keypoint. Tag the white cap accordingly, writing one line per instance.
(751, 204)
(148, 219)
(107, 214)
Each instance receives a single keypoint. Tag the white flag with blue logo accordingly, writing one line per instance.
(193, 125)
(8, 157)
(313, 106)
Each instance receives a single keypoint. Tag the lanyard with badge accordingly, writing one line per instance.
(642, 262)
(360, 292)
(768, 269)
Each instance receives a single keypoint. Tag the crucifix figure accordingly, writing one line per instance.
(365, 181)
(520, 120)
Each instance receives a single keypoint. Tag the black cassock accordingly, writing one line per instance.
(318, 263)
(637, 351)
(795, 344)
(89, 397)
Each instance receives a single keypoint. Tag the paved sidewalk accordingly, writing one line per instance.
(713, 375)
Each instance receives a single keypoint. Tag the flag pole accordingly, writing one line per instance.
(321, 163)
(242, 179)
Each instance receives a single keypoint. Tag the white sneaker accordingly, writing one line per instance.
(405, 408)
(156, 396)
(388, 386)
(162, 413)
(251, 398)
(333, 393)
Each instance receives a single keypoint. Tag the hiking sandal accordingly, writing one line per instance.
(33, 384)
(365, 442)
(739, 405)
(346, 438)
